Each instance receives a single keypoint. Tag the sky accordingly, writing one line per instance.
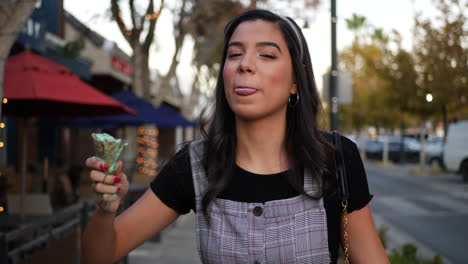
(389, 15)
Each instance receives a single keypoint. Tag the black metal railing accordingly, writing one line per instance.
(18, 241)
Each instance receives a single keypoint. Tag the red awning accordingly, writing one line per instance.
(36, 86)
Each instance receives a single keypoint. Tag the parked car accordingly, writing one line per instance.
(456, 149)
(374, 149)
(434, 148)
(411, 148)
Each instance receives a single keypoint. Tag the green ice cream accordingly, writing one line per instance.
(108, 150)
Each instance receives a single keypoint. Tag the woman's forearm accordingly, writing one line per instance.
(98, 244)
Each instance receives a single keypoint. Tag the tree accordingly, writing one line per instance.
(356, 23)
(204, 22)
(370, 105)
(366, 59)
(206, 26)
(441, 55)
(13, 16)
(180, 32)
(139, 42)
(210, 16)
(437, 65)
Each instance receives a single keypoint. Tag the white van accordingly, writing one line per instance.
(456, 149)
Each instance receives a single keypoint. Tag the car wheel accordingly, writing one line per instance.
(464, 171)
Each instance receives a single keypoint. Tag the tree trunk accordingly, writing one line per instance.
(253, 4)
(146, 76)
(141, 77)
(10, 27)
(137, 78)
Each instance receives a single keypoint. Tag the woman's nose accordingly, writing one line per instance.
(247, 64)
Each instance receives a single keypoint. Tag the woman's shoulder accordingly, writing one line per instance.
(179, 162)
(184, 149)
(346, 141)
(348, 147)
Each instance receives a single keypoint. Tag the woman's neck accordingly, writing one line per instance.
(260, 145)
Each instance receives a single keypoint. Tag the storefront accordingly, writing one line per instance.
(43, 232)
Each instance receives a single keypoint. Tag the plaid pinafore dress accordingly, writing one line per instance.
(292, 230)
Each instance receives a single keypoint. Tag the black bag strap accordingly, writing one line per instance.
(343, 194)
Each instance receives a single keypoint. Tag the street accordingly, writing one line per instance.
(433, 210)
(430, 211)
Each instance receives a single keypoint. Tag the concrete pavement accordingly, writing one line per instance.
(177, 246)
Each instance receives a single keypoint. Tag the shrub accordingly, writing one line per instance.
(408, 252)
(408, 255)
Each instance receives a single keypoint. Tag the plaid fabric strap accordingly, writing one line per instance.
(282, 231)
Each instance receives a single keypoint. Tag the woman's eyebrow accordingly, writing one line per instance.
(235, 43)
(269, 43)
(263, 43)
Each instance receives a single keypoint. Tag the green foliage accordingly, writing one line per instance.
(382, 232)
(356, 22)
(72, 49)
(372, 103)
(206, 26)
(390, 83)
(408, 252)
(441, 53)
(408, 255)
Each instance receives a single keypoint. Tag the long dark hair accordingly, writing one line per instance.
(305, 144)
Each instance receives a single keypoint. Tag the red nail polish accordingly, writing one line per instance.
(106, 166)
(101, 167)
(116, 179)
(118, 189)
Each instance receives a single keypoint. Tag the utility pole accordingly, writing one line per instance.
(334, 71)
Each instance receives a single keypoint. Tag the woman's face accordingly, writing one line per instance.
(258, 74)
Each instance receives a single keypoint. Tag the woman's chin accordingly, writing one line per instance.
(248, 113)
(252, 114)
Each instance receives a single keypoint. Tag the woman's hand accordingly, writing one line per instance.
(109, 189)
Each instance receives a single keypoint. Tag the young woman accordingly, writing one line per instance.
(262, 183)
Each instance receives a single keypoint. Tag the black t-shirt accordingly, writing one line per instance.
(174, 187)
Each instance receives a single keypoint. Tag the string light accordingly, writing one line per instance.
(2, 144)
(5, 100)
(152, 16)
(147, 151)
(2, 125)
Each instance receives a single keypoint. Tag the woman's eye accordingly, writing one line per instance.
(232, 55)
(268, 56)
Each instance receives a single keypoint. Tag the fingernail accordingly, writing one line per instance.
(116, 179)
(101, 166)
(118, 189)
(106, 166)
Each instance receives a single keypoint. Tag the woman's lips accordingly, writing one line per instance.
(245, 91)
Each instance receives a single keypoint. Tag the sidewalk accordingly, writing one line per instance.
(177, 246)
